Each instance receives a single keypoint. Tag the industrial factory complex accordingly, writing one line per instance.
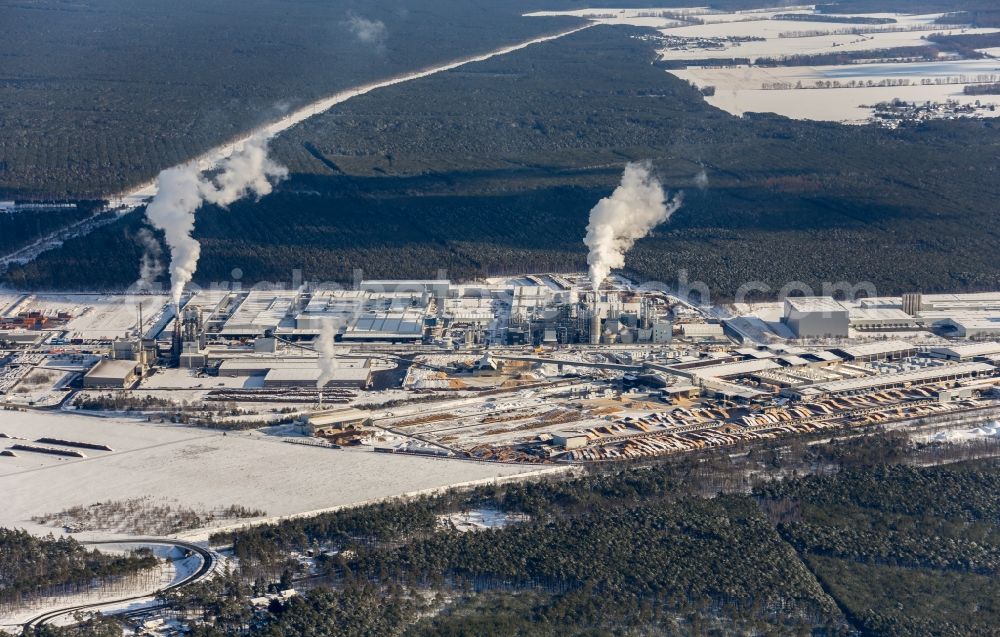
(530, 369)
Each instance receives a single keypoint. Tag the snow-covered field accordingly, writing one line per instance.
(205, 469)
(738, 90)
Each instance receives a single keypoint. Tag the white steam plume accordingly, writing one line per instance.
(701, 179)
(151, 265)
(327, 353)
(368, 31)
(182, 190)
(635, 207)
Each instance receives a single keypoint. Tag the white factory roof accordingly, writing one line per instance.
(784, 348)
(826, 355)
(734, 390)
(880, 314)
(977, 322)
(309, 375)
(981, 300)
(877, 348)
(881, 302)
(793, 360)
(702, 329)
(750, 352)
(815, 304)
(969, 350)
(734, 369)
(407, 323)
(118, 370)
(260, 311)
(409, 286)
(250, 364)
(338, 416)
(923, 375)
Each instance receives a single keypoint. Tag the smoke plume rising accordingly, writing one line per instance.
(183, 189)
(367, 31)
(327, 353)
(635, 207)
(151, 265)
(701, 179)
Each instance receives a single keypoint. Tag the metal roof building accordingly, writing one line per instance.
(816, 317)
(877, 350)
(874, 383)
(348, 377)
(108, 374)
(966, 352)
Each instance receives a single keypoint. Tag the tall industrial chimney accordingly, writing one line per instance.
(595, 325)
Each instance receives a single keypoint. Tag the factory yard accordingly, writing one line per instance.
(229, 403)
(731, 57)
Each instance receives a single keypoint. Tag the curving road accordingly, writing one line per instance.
(208, 564)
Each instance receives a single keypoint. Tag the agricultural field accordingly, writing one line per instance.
(781, 60)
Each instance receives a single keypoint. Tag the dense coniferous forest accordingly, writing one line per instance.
(98, 96)
(870, 539)
(20, 228)
(101, 95)
(873, 544)
(904, 551)
(31, 566)
(493, 167)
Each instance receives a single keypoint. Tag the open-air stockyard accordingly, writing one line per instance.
(536, 369)
(807, 63)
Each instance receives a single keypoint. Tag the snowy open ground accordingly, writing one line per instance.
(958, 436)
(205, 469)
(738, 89)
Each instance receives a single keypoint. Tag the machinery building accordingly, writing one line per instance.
(328, 423)
(713, 331)
(866, 384)
(882, 320)
(343, 378)
(967, 352)
(876, 351)
(112, 374)
(290, 372)
(816, 317)
(972, 326)
(570, 439)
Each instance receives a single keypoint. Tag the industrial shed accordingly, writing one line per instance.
(966, 352)
(108, 374)
(867, 384)
(879, 350)
(344, 377)
(330, 422)
(816, 317)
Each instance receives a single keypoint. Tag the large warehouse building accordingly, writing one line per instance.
(112, 374)
(816, 317)
(346, 378)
